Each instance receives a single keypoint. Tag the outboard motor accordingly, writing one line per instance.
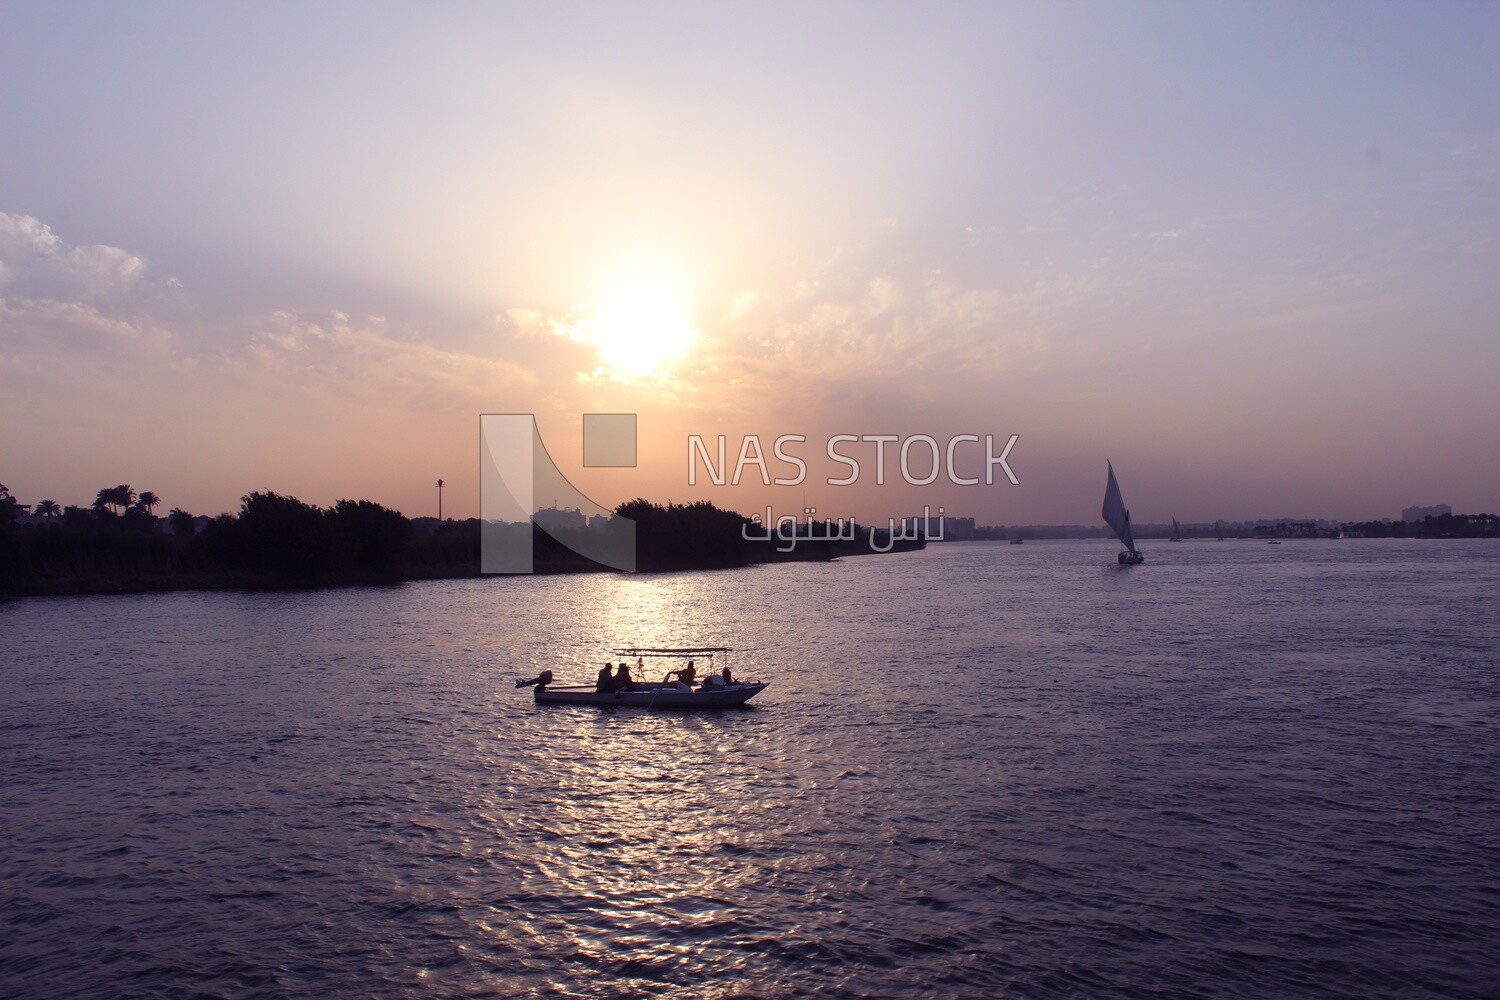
(540, 681)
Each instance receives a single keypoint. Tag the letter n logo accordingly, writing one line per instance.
(516, 474)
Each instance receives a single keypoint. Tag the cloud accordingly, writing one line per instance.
(58, 296)
(50, 323)
(322, 403)
(82, 314)
(365, 360)
(36, 263)
(861, 328)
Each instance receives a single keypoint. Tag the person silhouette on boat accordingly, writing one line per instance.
(605, 684)
(728, 677)
(686, 675)
(623, 680)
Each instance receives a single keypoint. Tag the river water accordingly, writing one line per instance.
(980, 770)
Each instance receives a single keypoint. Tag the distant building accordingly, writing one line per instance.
(942, 528)
(554, 518)
(1417, 513)
(959, 528)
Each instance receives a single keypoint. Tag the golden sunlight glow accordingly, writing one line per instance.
(641, 325)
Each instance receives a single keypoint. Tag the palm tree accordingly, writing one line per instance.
(116, 498)
(181, 521)
(147, 500)
(47, 508)
(4, 492)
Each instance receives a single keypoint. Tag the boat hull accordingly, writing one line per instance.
(653, 697)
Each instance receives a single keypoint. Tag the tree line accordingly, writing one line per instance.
(1442, 526)
(112, 501)
(116, 545)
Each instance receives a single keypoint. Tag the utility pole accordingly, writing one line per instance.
(440, 500)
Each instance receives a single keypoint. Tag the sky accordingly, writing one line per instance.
(1245, 252)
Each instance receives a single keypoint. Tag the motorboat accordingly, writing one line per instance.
(683, 688)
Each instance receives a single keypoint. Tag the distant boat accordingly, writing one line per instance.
(1017, 541)
(1176, 531)
(1118, 518)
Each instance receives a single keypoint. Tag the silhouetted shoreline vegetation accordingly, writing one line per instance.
(1442, 526)
(119, 546)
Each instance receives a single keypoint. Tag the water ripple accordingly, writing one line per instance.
(980, 771)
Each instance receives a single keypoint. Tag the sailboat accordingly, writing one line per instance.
(1118, 518)
(1176, 531)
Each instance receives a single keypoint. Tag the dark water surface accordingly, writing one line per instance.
(981, 770)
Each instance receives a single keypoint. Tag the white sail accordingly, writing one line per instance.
(1176, 531)
(1115, 514)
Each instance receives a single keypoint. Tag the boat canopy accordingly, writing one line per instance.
(665, 651)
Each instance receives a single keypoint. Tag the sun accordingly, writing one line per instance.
(640, 326)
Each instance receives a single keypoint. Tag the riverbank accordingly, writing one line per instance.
(277, 543)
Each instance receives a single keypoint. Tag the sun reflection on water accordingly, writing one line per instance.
(631, 835)
(629, 867)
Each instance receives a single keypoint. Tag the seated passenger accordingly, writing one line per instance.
(623, 680)
(604, 684)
